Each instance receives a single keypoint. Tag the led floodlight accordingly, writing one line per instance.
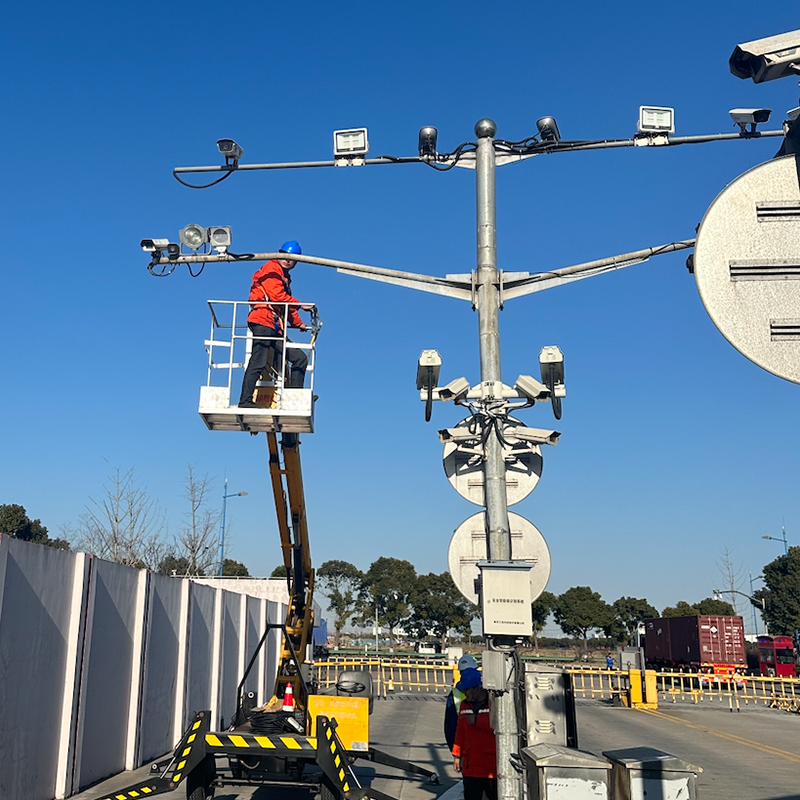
(655, 119)
(194, 236)
(351, 143)
(219, 236)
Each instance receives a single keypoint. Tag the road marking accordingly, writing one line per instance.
(764, 748)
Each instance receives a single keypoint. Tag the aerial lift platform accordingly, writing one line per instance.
(270, 744)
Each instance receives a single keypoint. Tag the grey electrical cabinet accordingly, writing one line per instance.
(643, 773)
(563, 773)
(549, 707)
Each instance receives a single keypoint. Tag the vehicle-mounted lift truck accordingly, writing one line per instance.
(267, 745)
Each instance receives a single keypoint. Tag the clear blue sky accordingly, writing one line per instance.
(674, 446)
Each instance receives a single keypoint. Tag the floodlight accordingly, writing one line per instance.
(548, 130)
(219, 236)
(655, 119)
(351, 143)
(533, 435)
(152, 245)
(230, 150)
(194, 236)
(427, 141)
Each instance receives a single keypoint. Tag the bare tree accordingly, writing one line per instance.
(731, 575)
(125, 526)
(197, 542)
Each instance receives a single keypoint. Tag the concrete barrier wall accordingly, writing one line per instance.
(102, 666)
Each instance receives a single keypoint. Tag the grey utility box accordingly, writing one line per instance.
(549, 707)
(643, 773)
(562, 773)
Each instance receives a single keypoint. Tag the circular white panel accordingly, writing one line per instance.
(468, 547)
(747, 265)
(464, 469)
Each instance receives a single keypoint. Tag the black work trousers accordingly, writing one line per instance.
(474, 788)
(259, 358)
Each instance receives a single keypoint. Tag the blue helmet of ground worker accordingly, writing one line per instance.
(467, 662)
(470, 678)
(292, 247)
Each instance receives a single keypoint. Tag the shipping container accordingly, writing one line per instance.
(709, 642)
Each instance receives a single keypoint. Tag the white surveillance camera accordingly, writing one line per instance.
(533, 435)
(749, 116)
(428, 367)
(457, 435)
(532, 389)
(455, 390)
(767, 59)
(151, 245)
(551, 366)
(230, 150)
(793, 114)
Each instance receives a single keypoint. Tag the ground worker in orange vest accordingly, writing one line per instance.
(272, 282)
(475, 749)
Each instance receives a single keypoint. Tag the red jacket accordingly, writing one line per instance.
(475, 742)
(271, 282)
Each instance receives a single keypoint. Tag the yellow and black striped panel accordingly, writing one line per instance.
(185, 750)
(275, 744)
(338, 760)
(140, 790)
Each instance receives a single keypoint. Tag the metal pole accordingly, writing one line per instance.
(376, 629)
(785, 543)
(752, 607)
(222, 535)
(498, 532)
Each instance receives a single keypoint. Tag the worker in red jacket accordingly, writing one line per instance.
(272, 282)
(475, 749)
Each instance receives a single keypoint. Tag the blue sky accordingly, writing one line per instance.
(674, 446)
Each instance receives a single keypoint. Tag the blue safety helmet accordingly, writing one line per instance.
(292, 247)
(470, 678)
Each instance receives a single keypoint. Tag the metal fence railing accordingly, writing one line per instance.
(422, 676)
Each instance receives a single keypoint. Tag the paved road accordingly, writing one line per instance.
(750, 755)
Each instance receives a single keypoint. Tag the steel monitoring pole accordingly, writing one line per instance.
(498, 532)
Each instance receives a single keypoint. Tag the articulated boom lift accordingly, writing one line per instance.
(268, 745)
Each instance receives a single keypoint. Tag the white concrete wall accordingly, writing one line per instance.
(102, 666)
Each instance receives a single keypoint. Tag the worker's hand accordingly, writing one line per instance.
(304, 327)
(457, 764)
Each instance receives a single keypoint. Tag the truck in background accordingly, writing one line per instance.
(707, 643)
(777, 657)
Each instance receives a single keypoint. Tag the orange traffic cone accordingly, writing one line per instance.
(288, 698)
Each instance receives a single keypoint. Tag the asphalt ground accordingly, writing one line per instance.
(753, 754)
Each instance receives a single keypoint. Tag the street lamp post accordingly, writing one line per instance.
(225, 497)
(782, 539)
(755, 622)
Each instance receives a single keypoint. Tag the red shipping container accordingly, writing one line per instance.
(696, 641)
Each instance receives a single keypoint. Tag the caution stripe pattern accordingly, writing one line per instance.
(249, 742)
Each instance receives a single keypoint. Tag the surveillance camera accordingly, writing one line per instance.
(430, 362)
(151, 245)
(749, 116)
(427, 141)
(532, 389)
(173, 251)
(533, 435)
(230, 150)
(793, 114)
(455, 390)
(548, 130)
(457, 435)
(767, 59)
(551, 366)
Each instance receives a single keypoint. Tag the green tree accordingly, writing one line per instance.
(15, 522)
(439, 607)
(782, 594)
(580, 610)
(629, 612)
(541, 608)
(388, 584)
(234, 569)
(279, 572)
(342, 583)
(707, 606)
(172, 564)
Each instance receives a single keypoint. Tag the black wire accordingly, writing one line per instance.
(466, 147)
(163, 273)
(199, 272)
(242, 256)
(230, 172)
